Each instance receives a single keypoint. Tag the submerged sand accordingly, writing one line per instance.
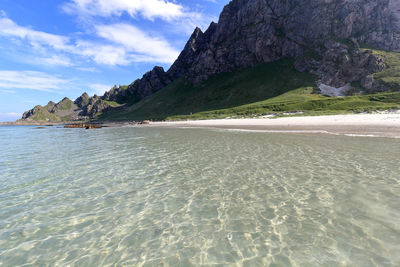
(379, 125)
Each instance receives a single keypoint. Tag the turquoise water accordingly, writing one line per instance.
(183, 197)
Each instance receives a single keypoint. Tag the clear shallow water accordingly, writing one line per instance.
(182, 197)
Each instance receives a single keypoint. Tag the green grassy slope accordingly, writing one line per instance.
(303, 100)
(65, 104)
(42, 114)
(226, 90)
(271, 88)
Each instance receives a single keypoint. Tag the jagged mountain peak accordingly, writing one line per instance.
(321, 36)
(83, 100)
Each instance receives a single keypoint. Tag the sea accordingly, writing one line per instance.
(149, 196)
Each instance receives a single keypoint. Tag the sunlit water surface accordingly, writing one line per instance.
(183, 197)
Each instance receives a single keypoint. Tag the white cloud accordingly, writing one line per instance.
(124, 45)
(33, 80)
(87, 69)
(56, 61)
(181, 19)
(149, 9)
(99, 89)
(102, 54)
(138, 42)
(9, 28)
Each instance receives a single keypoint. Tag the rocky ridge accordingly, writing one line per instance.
(82, 109)
(322, 36)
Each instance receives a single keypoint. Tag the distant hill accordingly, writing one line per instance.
(261, 49)
(84, 108)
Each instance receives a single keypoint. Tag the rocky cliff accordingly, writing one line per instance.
(322, 36)
(314, 32)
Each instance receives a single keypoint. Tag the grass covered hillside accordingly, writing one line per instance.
(225, 90)
(40, 113)
(272, 88)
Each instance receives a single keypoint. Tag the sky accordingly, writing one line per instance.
(51, 49)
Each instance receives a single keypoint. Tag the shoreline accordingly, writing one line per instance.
(368, 125)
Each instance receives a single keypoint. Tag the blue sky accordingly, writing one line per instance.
(50, 49)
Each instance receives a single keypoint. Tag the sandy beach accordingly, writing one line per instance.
(373, 125)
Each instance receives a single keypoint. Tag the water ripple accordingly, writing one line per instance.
(169, 197)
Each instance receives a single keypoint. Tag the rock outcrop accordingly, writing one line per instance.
(37, 113)
(83, 100)
(117, 94)
(250, 32)
(198, 43)
(95, 106)
(341, 64)
(50, 106)
(65, 110)
(322, 36)
(150, 83)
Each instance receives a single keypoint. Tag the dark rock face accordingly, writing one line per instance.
(323, 36)
(250, 32)
(117, 94)
(150, 83)
(83, 100)
(95, 106)
(340, 64)
(198, 42)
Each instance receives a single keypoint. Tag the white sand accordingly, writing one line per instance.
(382, 125)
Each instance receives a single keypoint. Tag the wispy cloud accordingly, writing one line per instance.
(9, 28)
(180, 18)
(33, 80)
(99, 89)
(149, 9)
(144, 46)
(122, 45)
(103, 54)
(87, 69)
(57, 61)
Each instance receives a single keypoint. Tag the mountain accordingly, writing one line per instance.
(82, 109)
(54, 112)
(327, 41)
